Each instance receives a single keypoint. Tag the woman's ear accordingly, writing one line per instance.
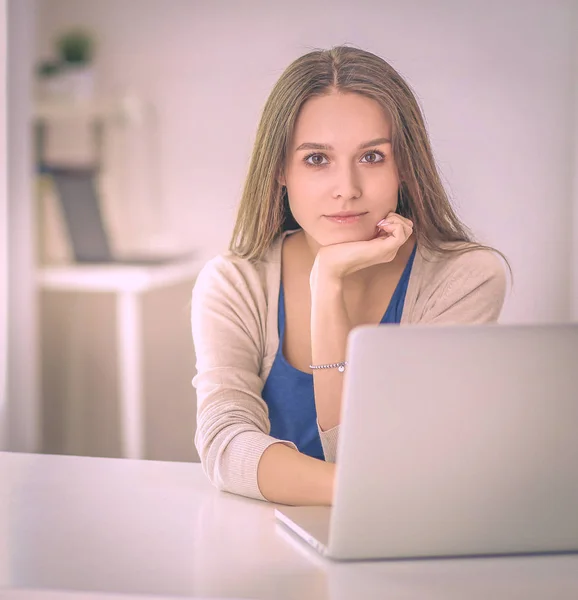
(281, 179)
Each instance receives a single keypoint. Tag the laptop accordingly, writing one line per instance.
(454, 441)
(80, 205)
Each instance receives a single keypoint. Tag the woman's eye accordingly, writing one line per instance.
(376, 157)
(315, 160)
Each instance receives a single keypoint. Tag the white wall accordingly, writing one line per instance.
(3, 233)
(23, 417)
(495, 80)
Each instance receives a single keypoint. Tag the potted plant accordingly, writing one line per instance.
(75, 47)
(75, 54)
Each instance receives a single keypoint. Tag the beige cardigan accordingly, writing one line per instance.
(234, 327)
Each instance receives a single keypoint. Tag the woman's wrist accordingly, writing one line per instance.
(324, 278)
(330, 322)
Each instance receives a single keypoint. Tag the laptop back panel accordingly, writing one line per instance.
(458, 440)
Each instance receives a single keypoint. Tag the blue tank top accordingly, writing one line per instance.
(288, 392)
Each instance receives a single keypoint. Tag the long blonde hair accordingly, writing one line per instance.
(264, 209)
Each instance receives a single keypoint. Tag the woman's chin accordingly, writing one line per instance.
(343, 237)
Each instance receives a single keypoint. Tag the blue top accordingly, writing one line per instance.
(288, 392)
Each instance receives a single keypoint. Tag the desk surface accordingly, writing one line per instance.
(143, 527)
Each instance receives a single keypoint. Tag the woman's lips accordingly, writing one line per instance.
(345, 219)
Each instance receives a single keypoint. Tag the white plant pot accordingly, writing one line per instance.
(75, 83)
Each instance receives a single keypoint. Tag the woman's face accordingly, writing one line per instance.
(340, 174)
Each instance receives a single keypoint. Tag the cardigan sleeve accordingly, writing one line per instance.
(227, 311)
(329, 442)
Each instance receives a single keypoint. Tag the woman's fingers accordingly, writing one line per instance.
(395, 236)
(392, 236)
(395, 218)
(400, 229)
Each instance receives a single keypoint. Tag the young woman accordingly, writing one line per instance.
(343, 221)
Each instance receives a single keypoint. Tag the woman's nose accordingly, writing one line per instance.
(347, 184)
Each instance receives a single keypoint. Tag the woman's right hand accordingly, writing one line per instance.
(336, 261)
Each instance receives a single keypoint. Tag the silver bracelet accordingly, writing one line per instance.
(340, 366)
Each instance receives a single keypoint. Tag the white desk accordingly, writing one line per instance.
(128, 282)
(141, 527)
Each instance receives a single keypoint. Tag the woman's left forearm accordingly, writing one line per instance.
(330, 326)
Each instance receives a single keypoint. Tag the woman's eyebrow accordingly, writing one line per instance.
(315, 146)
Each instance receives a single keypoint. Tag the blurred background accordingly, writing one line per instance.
(144, 112)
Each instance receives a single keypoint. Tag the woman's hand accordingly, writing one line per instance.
(336, 261)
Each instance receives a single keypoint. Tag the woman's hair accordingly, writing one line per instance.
(264, 208)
